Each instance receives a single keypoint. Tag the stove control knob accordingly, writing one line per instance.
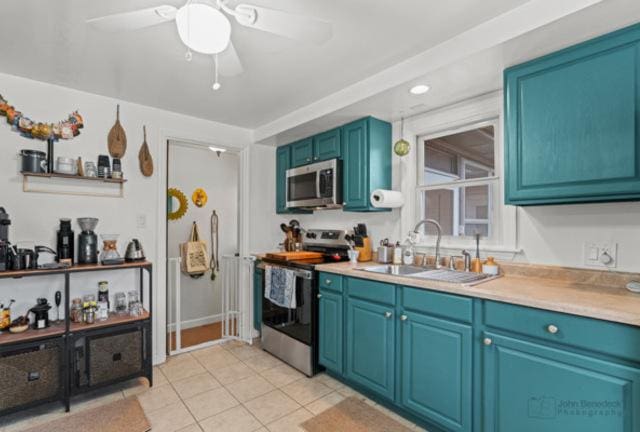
(311, 235)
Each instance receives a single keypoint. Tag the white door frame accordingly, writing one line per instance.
(160, 294)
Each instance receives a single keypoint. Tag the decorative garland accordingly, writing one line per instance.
(66, 129)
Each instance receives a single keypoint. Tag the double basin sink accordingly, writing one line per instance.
(431, 273)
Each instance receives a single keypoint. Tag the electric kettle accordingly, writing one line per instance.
(134, 251)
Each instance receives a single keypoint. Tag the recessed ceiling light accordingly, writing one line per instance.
(217, 150)
(419, 89)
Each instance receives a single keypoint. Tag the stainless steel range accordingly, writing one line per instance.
(292, 334)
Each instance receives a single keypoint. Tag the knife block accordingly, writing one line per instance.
(365, 250)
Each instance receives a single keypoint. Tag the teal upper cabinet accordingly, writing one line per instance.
(529, 387)
(572, 124)
(283, 162)
(301, 152)
(366, 150)
(370, 341)
(327, 145)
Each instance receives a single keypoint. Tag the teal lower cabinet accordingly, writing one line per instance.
(330, 331)
(258, 278)
(458, 364)
(437, 366)
(370, 341)
(530, 387)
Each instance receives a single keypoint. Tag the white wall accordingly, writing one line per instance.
(35, 216)
(192, 167)
(552, 235)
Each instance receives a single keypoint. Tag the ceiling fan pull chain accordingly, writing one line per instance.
(216, 84)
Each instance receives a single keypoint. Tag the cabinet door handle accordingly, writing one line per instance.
(319, 296)
(388, 315)
(308, 159)
(403, 317)
(327, 282)
(487, 341)
(552, 329)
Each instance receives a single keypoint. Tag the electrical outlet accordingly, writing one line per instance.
(141, 221)
(601, 254)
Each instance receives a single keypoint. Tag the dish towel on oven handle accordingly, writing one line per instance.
(280, 286)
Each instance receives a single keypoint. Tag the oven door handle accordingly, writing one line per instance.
(304, 274)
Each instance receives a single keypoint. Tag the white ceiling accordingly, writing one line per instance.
(476, 74)
(49, 41)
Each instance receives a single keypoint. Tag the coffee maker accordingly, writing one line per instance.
(87, 241)
(5, 246)
(65, 242)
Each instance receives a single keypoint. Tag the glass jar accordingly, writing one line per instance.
(90, 312)
(120, 300)
(76, 312)
(135, 306)
(103, 292)
(103, 311)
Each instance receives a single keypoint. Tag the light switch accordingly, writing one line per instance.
(141, 221)
(601, 254)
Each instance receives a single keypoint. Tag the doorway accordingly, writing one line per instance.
(209, 181)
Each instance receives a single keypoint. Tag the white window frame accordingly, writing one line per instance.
(486, 110)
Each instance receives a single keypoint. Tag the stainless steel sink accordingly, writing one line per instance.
(453, 276)
(395, 269)
(430, 273)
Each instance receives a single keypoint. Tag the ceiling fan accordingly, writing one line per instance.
(204, 28)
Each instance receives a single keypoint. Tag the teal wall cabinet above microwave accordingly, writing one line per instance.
(572, 124)
(317, 148)
(364, 146)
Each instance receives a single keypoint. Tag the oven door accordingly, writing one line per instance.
(315, 185)
(298, 323)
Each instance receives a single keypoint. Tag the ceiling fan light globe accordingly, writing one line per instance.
(203, 28)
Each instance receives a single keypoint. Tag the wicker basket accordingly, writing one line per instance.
(29, 376)
(114, 356)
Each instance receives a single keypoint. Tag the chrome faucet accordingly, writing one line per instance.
(438, 229)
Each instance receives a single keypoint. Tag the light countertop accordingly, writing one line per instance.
(594, 294)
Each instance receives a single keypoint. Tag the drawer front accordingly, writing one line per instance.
(379, 292)
(115, 356)
(435, 303)
(331, 282)
(614, 339)
(30, 375)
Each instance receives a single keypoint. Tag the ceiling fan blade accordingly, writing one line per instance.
(285, 24)
(228, 62)
(134, 20)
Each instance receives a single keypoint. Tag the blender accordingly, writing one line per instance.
(87, 241)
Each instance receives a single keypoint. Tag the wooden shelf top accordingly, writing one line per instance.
(73, 177)
(58, 329)
(74, 269)
(113, 320)
(31, 334)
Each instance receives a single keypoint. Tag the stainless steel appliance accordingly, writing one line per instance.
(134, 251)
(87, 241)
(292, 334)
(315, 186)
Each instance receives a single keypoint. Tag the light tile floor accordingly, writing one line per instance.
(232, 387)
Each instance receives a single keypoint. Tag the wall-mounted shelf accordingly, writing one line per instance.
(27, 185)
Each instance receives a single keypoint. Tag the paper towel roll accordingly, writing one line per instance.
(381, 198)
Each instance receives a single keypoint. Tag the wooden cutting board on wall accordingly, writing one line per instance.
(296, 256)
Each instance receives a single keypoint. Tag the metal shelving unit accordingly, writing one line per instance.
(68, 334)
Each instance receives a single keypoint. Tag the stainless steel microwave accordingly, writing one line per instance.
(315, 186)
